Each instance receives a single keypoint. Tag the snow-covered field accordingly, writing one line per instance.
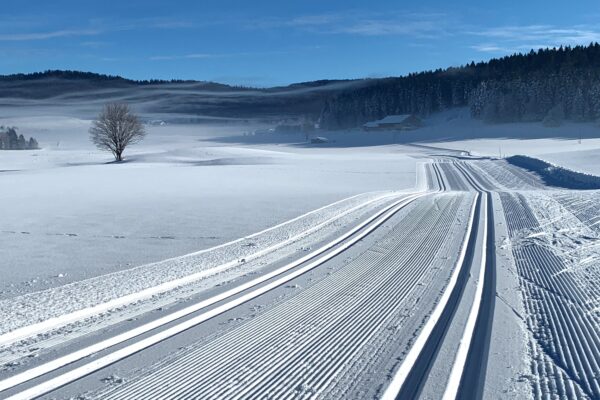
(73, 215)
(185, 247)
(572, 145)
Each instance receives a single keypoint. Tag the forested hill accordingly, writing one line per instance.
(51, 83)
(545, 85)
(184, 97)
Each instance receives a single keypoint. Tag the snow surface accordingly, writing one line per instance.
(74, 215)
(76, 223)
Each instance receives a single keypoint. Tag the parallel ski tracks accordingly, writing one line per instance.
(467, 373)
(305, 344)
(474, 363)
(56, 322)
(342, 243)
(282, 368)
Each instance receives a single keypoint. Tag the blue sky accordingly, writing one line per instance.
(264, 43)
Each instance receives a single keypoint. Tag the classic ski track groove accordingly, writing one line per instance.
(57, 322)
(337, 340)
(304, 345)
(566, 341)
(361, 231)
(273, 380)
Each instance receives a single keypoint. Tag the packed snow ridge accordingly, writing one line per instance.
(555, 175)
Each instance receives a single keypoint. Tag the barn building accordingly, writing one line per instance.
(394, 122)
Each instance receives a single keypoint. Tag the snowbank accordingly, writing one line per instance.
(554, 175)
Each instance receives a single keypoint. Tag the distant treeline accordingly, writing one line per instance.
(9, 140)
(545, 85)
(88, 76)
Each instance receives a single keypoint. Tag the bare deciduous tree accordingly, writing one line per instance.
(116, 127)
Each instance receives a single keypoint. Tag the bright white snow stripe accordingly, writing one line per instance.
(331, 340)
(399, 378)
(102, 362)
(465, 342)
(421, 183)
(57, 322)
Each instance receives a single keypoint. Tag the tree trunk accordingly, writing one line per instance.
(118, 156)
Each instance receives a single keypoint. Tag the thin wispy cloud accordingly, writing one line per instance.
(365, 24)
(18, 37)
(191, 56)
(430, 26)
(418, 28)
(165, 24)
(94, 44)
(96, 27)
(491, 48)
(312, 20)
(206, 56)
(543, 32)
(522, 38)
